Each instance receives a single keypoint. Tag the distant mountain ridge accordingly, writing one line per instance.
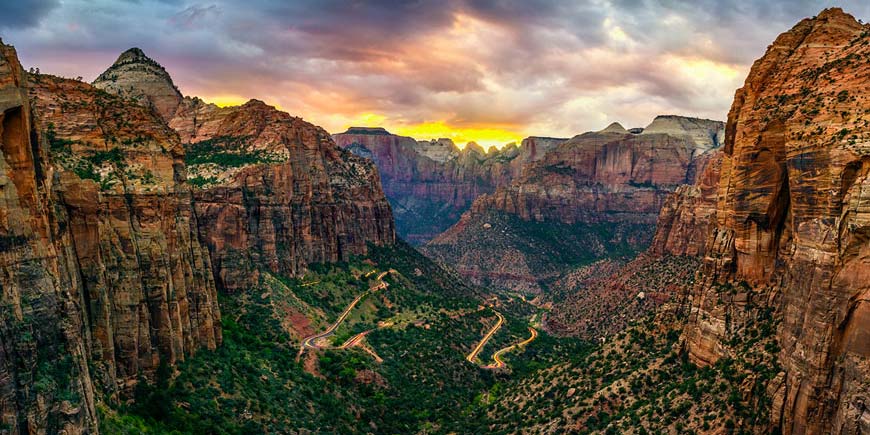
(610, 182)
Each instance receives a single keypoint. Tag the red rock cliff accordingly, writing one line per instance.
(291, 197)
(119, 191)
(792, 222)
(45, 385)
(687, 214)
(103, 275)
(610, 175)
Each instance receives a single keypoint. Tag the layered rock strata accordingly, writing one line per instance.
(601, 191)
(104, 278)
(276, 193)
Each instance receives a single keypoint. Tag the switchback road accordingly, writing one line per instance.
(497, 356)
(473, 355)
(311, 341)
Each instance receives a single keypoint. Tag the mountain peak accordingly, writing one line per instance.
(137, 76)
(614, 127)
(134, 54)
(706, 134)
(367, 130)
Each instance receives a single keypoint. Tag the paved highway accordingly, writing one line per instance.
(471, 356)
(497, 356)
(311, 341)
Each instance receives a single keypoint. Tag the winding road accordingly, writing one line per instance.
(497, 356)
(473, 355)
(311, 341)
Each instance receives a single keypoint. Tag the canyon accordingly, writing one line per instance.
(431, 183)
(113, 256)
(597, 195)
(162, 257)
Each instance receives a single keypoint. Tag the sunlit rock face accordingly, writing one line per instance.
(430, 183)
(610, 184)
(792, 223)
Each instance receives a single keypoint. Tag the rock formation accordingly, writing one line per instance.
(275, 192)
(686, 216)
(610, 175)
(136, 76)
(431, 183)
(103, 274)
(791, 225)
(120, 191)
(44, 376)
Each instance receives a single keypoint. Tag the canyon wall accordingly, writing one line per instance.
(686, 216)
(431, 183)
(119, 191)
(45, 385)
(104, 276)
(609, 175)
(791, 227)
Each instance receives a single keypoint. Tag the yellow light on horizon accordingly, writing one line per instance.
(484, 136)
(233, 100)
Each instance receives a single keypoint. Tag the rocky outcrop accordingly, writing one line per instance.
(686, 216)
(134, 75)
(430, 183)
(791, 225)
(276, 193)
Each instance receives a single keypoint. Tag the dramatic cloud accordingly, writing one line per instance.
(490, 70)
(22, 14)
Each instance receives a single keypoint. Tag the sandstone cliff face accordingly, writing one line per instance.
(45, 385)
(103, 275)
(686, 216)
(136, 76)
(119, 191)
(430, 184)
(610, 175)
(276, 192)
(792, 223)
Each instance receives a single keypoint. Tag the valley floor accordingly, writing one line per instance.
(351, 348)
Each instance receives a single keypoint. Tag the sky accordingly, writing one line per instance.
(492, 71)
